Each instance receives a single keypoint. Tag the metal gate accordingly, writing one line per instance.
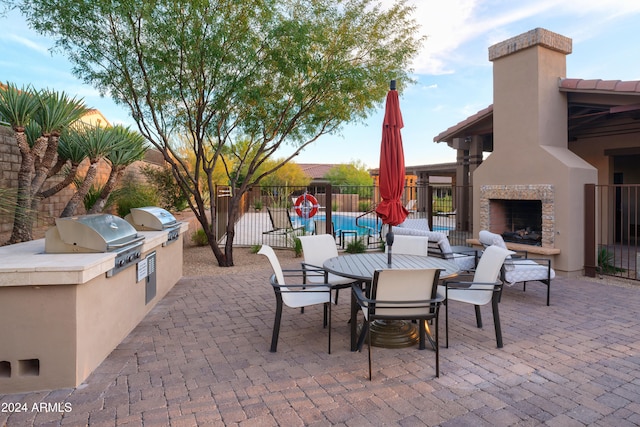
(611, 230)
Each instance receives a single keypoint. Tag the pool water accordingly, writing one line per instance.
(365, 225)
(342, 222)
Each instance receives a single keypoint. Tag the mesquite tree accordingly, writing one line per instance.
(217, 72)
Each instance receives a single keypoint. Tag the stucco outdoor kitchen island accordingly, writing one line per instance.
(61, 314)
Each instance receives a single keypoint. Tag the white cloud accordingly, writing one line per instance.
(453, 23)
(30, 44)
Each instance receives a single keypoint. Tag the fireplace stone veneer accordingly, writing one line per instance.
(543, 192)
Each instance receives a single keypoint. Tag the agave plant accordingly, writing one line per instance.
(606, 262)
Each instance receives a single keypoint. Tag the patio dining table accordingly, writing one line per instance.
(361, 267)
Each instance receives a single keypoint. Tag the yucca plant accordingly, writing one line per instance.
(127, 147)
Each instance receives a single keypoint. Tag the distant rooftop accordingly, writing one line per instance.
(316, 170)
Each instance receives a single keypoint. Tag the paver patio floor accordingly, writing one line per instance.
(201, 358)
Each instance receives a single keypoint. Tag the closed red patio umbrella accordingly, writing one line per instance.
(392, 172)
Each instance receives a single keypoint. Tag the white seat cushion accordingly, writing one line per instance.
(415, 223)
(464, 262)
(527, 270)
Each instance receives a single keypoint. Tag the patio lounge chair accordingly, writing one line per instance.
(520, 268)
(411, 206)
(281, 222)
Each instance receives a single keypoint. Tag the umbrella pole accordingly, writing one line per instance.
(389, 244)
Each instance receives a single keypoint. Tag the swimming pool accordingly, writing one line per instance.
(366, 225)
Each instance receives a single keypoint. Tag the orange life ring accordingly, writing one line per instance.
(306, 206)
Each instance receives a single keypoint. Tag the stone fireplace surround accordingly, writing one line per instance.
(543, 192)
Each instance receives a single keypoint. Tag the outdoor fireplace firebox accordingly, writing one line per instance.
(518, 221)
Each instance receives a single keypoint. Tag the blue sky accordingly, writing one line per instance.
(453, 73)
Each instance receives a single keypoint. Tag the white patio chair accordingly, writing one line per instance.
(521, 269)
(316, 249)
(295, 296)
(402, 294)
(438, 242)
(484, 287)
(409, 245)
(412, 206)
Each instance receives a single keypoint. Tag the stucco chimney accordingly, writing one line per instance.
(531, 159)
(528, 107)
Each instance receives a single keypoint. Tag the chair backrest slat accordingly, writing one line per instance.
(410, 245)
(404, 285)
(316, 249)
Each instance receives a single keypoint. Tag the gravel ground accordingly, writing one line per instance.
(200, 261)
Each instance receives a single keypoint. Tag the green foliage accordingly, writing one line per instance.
(606, 262)
(297, 246)
(92, 195)
(442, 204)
(133, 195)
(171, 196)
(17, 106)
(239, 82)
(288, 175)
(355, 175)
(364, 205)
(257, 204)
(255, 249)
(8, 205)
(356, 246)
(57, 111)
(52, 112)
(199, 238)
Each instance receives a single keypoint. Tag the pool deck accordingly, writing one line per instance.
(200, 358)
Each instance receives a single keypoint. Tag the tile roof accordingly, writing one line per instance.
(598, 85)
(315, 170)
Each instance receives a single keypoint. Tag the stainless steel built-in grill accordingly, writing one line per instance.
(96, 233)
(156, 219)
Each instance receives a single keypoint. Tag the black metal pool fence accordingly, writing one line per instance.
(347, 212)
